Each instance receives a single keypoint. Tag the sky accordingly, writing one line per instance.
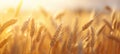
(56, 5)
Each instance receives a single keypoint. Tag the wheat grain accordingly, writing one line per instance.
(42, 38)
(87, 25)
(32, 31)
(53, 23)
(92, 40)
(55, 49)
(100, 30)
(108, 24)
(114, 38)
(4, 41)
(69, 44)
(44, 12)
(60, 15)
(39, 33)
(25, 25)
(114, 23)
(37, 39)
(7, 24)
(55, 36)
(75, 31)
(108, 8)
(113, 16)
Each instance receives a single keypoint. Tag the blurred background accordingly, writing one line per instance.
(56, 5)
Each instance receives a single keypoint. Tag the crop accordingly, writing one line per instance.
(69, 32)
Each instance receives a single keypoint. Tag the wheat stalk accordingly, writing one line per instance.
(7, 24)
(87, 25)
(18, 8)
(31, 38)
(4, 41)
(32, 31)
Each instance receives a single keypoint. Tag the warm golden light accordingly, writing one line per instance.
(56, 5)
(27, 4)
(79, 27)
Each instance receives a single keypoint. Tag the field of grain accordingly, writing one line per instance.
(66, 32)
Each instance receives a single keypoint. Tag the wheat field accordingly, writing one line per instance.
(66, 32)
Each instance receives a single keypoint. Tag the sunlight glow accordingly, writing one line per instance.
(56, 5)
(27, 4)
